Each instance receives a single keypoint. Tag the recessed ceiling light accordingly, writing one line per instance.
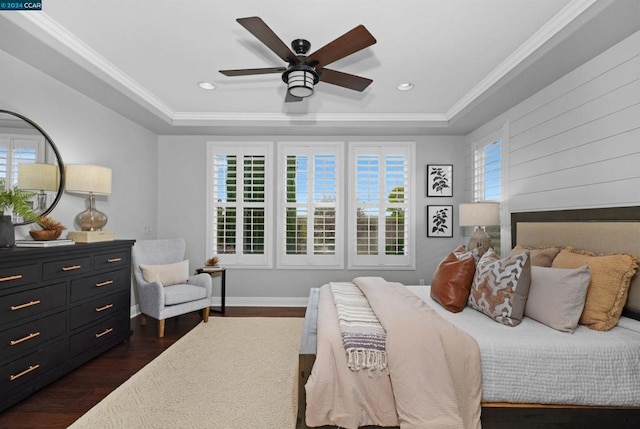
(406, 86)
(206, 85)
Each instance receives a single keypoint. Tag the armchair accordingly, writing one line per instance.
(162, 302)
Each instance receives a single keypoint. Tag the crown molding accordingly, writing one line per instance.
(563, 18)
(210, 118)
(49, 32)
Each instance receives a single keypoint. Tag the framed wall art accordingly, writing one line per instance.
(439, 180)
(440, 221)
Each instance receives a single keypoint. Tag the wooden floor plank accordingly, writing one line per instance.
(65, 400)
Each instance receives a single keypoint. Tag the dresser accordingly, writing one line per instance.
(59, 307)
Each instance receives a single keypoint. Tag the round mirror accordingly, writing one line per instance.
(30, 161)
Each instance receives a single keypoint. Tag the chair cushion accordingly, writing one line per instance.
(178, 294)
(166, 274)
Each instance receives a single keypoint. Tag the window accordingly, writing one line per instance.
(488, 177)
(239, 215)
(381, 212)
(15, 150)
(307, 206)
(487, 184)
(310, 205)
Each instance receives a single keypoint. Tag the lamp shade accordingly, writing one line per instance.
(479, 214)
(88, 179)
(38, 177)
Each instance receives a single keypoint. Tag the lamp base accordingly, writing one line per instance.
(90, 236)
(479, 239)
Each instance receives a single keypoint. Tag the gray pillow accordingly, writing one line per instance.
(557, 296)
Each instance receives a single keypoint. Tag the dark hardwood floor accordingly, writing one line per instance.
(65, 400)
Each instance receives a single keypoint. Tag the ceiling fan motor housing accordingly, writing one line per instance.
(300, 46)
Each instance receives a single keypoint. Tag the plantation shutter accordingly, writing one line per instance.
(310, 205)
(239, 214)
(381, 216)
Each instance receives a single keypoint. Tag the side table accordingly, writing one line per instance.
(213, 272)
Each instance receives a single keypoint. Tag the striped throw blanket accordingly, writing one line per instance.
(362, 335)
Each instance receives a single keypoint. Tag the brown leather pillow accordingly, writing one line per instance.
(452, 281)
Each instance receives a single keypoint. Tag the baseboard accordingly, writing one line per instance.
(247, 301)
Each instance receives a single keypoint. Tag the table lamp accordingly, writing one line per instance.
(479, 215)
(91, 180)
(41, 178)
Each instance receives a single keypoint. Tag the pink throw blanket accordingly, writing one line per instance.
(434, 368)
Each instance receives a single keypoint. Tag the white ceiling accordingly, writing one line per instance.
(469, 60)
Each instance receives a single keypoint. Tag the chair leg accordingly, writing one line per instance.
(143, 320)
(205, 314)
(161, 328)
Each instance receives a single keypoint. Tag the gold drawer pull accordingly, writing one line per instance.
(26, 371)
(6, 279)
(107, 283)
(28, 304)
(112, 260)
(71, 268)
(106, 307)
(105, 332)
(28, 337)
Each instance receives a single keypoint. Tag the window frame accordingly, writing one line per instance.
(381, 261)
(309, 260)
(241, 150)
(500, 134)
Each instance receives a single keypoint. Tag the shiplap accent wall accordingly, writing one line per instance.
(576, 143)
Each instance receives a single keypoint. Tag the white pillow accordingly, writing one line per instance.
(168, 274)
(557, 296)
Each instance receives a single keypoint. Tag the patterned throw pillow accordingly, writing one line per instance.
(500, 287)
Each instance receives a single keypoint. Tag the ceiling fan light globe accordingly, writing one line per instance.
(300, 83)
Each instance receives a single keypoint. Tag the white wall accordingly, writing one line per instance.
(182, 213)
(87, 132)
(576, 143)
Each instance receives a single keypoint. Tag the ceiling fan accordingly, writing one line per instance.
(304, 71)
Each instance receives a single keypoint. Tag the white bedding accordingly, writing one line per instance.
(532, 363)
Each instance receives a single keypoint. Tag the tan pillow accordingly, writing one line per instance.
(540, 257)
(609, 286)
(452, 280)
(168, 274)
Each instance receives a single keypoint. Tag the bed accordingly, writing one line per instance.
(602, 231)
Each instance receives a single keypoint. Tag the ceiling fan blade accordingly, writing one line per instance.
(258, 28)
(248, 72)
(291, 98)
(347, 44)
(345, 80)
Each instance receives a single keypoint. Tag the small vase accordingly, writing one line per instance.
(7, 233)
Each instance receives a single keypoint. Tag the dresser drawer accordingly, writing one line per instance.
(28, 336)
(100, 284)
(104, 306)
(27, 370)
(19, 275)
(111, 260)
(100, 333)
(31, 303)
(66, 267)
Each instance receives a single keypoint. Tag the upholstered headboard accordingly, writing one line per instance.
(602, 231)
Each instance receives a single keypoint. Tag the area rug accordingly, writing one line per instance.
(229, 373)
